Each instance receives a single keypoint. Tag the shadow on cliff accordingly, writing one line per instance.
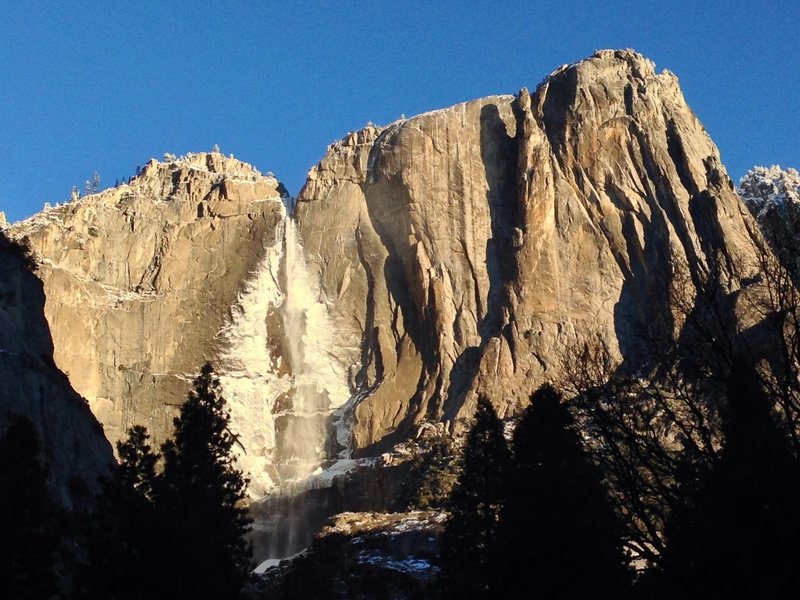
(72, 438)
(40, 328)
(643, 313)
(643, 310)
(377, 190)
(499, 158)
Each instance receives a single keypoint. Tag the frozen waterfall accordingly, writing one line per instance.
(286, 390)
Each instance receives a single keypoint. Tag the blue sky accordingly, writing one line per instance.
(104, 86)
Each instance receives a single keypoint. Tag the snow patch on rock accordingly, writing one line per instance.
(764, 189)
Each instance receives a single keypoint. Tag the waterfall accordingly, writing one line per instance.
(285, 387)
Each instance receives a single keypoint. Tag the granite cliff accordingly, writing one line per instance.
(456, 253)
(465, 249)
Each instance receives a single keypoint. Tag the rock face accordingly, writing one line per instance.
(141, 278)
(464, 250)
(74, 446)
(457, 253)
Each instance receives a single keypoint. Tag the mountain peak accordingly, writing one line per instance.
(764, 188)
(213, 162)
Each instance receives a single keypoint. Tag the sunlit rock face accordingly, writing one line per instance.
(408, 228)
(140, 280)
(196, 259)
(73, 445)
(464, 250)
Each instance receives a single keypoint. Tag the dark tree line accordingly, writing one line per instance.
(168, 525)
(700, 447)
(469, 543)
(560, 536)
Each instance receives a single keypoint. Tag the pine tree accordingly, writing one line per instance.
(124, 537)
(468, 543)
(30, 521)
(199, 498)
(559, 536)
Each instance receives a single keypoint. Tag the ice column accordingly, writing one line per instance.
(279, 372)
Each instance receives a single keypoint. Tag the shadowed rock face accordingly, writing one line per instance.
(141, 278)
(74, 447)
(457, 253)
(463, 250)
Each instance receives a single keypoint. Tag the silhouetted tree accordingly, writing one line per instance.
(468, 542)
(737, 536)
(656, 430)
(199, 499)
(19, 248)
(701, 445)
(124, 539)
(30, 521)
(560, 536)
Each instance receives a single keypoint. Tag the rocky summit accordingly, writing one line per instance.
(456, 253)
